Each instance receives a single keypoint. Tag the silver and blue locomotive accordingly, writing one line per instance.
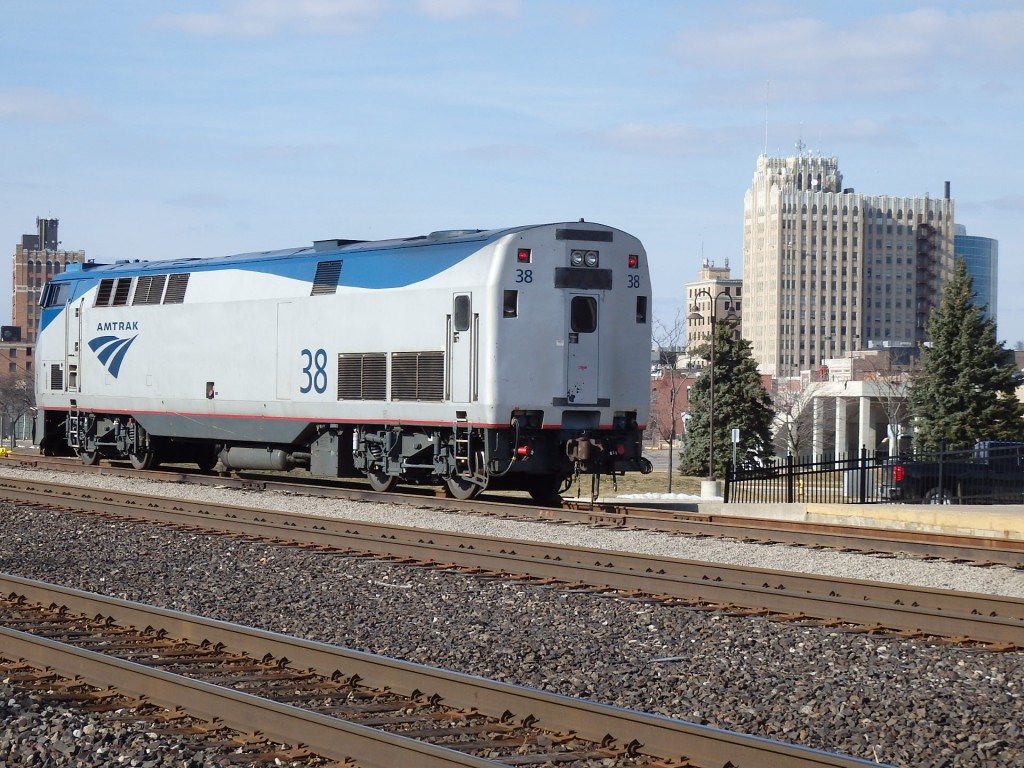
(513, 358)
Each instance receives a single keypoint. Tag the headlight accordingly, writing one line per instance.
(576, 258)
(591, 258)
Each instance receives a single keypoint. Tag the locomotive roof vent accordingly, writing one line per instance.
(330, 245)
(443, 234)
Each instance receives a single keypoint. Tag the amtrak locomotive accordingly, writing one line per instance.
(513, 358)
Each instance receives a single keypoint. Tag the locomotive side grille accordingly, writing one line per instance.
(121, 291)
(417, 376)
(103, 292)
(113, 293)
(149, 289)
(176, 285)
(57, 377)
(362, 376)
(326, 279)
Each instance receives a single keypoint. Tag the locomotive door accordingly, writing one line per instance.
(583, 350)
(72, 345)
(462, 333)
(285, 351)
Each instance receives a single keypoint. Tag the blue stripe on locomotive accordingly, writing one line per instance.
(366, 265)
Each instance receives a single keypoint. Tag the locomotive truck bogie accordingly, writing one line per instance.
(511, 358)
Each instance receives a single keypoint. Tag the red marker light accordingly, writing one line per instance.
(898, 473)
(523, 255)
(634, 261)
(523, 450)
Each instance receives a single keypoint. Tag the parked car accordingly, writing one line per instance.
(992, 472)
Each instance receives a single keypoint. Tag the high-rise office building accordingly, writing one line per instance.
(981, 255)
(36, 259)
(827, 270)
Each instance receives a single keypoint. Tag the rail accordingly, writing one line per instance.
(686, 519)
(874, 606)
(616, 736)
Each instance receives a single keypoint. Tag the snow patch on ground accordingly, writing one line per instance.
(668, 497)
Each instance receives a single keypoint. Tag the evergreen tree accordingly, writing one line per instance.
(966, 385)
(740, 401)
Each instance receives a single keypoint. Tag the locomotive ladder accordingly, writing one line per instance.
(465, 466)
(74, 428)
(463, 446)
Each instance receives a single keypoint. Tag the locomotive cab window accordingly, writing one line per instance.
(56, 295)
(583, 314)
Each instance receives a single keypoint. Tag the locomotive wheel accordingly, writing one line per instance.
(207, 459)
(461, 489)
(89, 458)
(143, 459)
(544, 488)
(381, 481)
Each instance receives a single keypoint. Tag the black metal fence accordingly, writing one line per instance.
(841, 479)
(991, 472)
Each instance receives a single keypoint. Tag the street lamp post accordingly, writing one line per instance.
(696, 315)
(672, 432)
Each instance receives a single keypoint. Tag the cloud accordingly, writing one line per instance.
(882, 54)
(260, 18)
(1006, 204)
(31, 105)
(203, 201)
(689, 140)
(671, 139)
(462, 9)
(506, 152)
(863, 130)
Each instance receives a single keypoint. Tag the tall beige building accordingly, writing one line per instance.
(827, 270)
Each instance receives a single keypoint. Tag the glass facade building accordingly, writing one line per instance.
(981, 254)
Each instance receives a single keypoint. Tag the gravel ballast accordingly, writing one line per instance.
(898, 701)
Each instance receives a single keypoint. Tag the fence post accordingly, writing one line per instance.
(789, 478)
(730, 472)
(863, 473)
(942, 458)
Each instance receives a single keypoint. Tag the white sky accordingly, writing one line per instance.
(209, 127)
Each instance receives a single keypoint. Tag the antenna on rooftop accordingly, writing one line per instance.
(767, 90)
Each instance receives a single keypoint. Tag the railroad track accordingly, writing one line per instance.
(316, 700)
(997, 622)
(982, 551)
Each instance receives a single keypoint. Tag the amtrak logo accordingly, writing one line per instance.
(111, 351)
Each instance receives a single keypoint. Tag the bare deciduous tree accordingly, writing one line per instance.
(16, 399)
(670, 343)
(891, 383)
(794, 416)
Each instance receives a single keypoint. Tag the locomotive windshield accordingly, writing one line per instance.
(583, 315)
(56, 295)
